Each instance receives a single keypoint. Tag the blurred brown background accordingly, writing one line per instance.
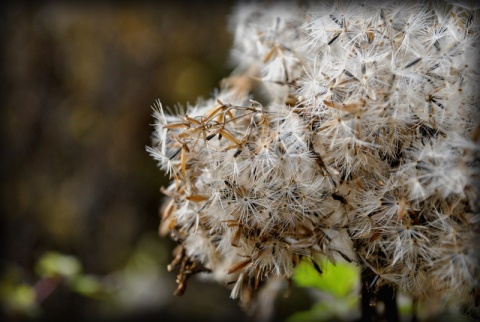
(78, 84)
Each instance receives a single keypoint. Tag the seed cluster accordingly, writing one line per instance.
(364, 148)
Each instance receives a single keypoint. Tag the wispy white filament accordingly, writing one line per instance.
(365, 148)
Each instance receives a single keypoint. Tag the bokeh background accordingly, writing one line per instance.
(79, 195)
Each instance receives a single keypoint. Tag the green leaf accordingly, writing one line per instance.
(18, 298)
(320, 312)
(86, 285)
(23, 296)
(338, 280)
(345, 309)
(55, 264)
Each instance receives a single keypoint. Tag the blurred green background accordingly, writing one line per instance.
(79, 194)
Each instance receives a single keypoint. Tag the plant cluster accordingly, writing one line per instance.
(347, 131)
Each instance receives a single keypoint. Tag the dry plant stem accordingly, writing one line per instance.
(371, 296)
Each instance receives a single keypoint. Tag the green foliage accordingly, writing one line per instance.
(339, 289)
(18, 297)
(53, 264)
(69, 269)
(338, 286)
(338, 310)
(339, 279)
(52, 269)
(87, 285)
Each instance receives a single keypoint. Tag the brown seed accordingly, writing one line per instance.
(196, 198)
(239, 266)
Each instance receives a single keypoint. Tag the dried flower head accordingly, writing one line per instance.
(365, 148)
